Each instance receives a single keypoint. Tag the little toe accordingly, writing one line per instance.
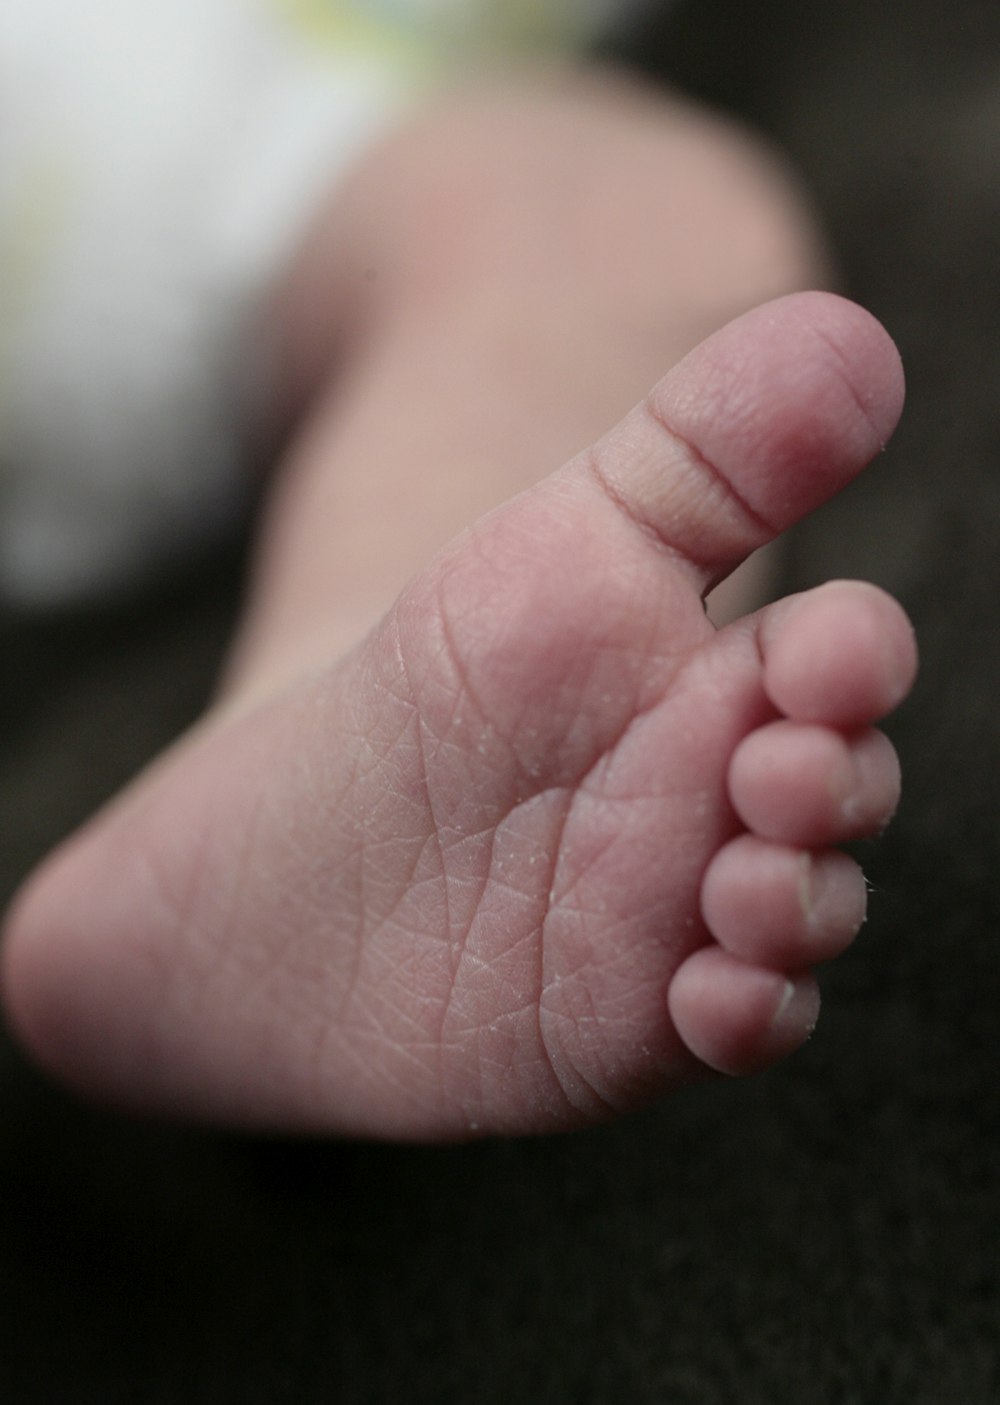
(737, 1017)
(810, 786)
(781, 907)
(843, 654)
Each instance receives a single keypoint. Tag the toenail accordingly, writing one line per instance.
(797, 1010)
(785, 998)
(832, 894)
(844, 785)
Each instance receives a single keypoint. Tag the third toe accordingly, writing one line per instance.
(812, 786)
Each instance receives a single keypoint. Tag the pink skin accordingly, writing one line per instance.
(805, 784)
(544, 845)
(775, 904)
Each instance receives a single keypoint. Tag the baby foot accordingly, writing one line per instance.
(546, 844)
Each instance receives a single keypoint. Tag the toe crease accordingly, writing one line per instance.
(662, 421)
(592, 462)
(844, 369)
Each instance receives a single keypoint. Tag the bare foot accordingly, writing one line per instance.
(545, 844)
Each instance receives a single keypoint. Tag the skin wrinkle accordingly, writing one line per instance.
(360, 866)
(548, 1019)
(631, 706)
(503, 569)
(756, 639)
(847, 379)
(366, 747)
(538, 936)
(358, 778)
(443, 867)
(641, 649)
(257, 965)
(231, 950)
(657, 415)
(463, 691)
(457, 948)
(231, 944)
(591, 460)
(160, 891)
(358, 943)
(580, 687)
(178, 908)
(577, 1022)
(392, 1023)
(393, 1072)
(549, 1022)
(534, 935)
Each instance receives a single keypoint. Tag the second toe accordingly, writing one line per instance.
(812, 786)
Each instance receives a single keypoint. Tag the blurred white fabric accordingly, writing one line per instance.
(157, 162)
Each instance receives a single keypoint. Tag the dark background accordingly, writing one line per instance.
(828, 1232)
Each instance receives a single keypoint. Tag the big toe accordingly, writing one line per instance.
(759, 425)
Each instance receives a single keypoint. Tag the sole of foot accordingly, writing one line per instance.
(546, 844)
